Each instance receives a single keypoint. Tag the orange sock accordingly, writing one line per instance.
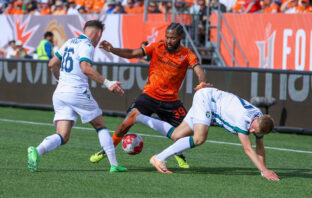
(116, 139)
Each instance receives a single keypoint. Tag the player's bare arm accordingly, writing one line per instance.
(88, 70)
(260, 150)
(251, 153)
(200, 73)
(122, 52)
(54, 65)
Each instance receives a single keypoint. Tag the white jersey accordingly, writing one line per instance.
(71, 54)
(215, 107)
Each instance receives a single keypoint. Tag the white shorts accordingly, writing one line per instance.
(201, 110)
(67, 106)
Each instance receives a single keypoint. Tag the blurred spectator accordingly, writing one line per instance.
(165, 7)
(18, 8)
(10, 8)
(130, 6)
(303, 7)
(11, 50)
(2, 7)
(229, 4)
(214, 4)
(194, 9)
(278, 2)
(88, 4)
(20, 51)
(79, 3)
(270, 6)
(98, 6)
(289, 6)
(139, 6)
(32, 8)
(202, 22)
(153, 8)
(2, 53)
(119, 9)
(181, 7)
(145, 59)
(45, 9)
(72, 8)
(82, 10)
(252, 6)
(247, 6)
(110, 6)
(44, 49)
(60, 9)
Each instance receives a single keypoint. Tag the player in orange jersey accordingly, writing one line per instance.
(168, 66)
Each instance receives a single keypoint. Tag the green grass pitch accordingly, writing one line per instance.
(217, 169)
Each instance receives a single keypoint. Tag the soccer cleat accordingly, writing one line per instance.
(159, 165)
(130, 119)
(98, 156)
(33, 159)
(114, 169)
(181, 161)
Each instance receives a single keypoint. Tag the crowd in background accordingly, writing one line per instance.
(195, 7)
(70, 7)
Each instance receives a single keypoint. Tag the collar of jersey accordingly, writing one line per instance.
(83, 37)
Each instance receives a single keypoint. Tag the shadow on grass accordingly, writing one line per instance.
(282, 172)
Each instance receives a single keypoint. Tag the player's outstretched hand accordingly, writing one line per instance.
(270, 175)
(106, 46)
(203, 85)
(116, 88)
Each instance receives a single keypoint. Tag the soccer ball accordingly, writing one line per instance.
(132, 144)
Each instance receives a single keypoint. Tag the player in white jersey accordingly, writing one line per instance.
(72, 67)
(214, 107)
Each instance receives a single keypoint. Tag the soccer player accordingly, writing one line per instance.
(72, 66)
(214, 107)
(168, 66)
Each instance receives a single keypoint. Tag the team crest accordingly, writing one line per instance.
(208, 114)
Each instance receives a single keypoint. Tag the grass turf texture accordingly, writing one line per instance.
(217, 170)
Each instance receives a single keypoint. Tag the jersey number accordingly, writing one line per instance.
(67, 62)
(179, 112)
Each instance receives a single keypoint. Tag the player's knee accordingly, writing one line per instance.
(199, 140)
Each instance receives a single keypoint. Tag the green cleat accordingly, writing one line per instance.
(98, 156)
(33, 159)
(114, 169)
(181, 161)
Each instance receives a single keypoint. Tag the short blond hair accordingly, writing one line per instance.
(266, 124)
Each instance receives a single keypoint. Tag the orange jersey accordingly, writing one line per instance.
(98, 5)
(273, 8)
(300, 9)
(46, 11)
(138, 9)
(88, 4)
(167, 71)
(238, 7)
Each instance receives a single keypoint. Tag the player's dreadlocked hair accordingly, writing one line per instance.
(176, 27)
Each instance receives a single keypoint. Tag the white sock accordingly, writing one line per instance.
(162, 127)
(179, 146)
(106, 142)
(50, 143)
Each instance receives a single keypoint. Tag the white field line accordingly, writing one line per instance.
(157, 136)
